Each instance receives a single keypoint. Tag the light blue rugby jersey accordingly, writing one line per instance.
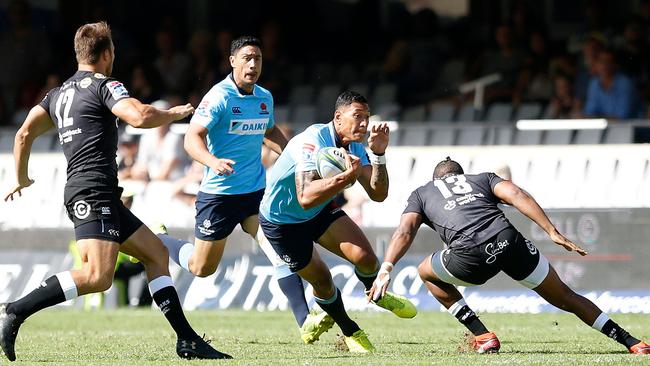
(236, 126)
(280, 203)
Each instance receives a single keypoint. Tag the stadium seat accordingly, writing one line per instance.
(451, 76)
(466, 113)
(499, 112)
(384, 94)
(588, 137)
(558, 137)
(502, 135)
(619, 134)
(414, 114)
(441, 112)
(325, 101)
(415, 136)
(528, 111)
(301, 95)
(471, 136)
(442, 136)
(387, 112)
(304, 114)
(528, 137)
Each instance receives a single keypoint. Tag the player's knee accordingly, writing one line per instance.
(367, 261)
(203, 269)
(424, 270)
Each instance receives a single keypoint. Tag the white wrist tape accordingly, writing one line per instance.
(377, 159)
(386, 267)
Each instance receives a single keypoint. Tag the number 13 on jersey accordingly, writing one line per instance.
(459, 185)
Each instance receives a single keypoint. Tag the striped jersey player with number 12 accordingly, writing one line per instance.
(297, 209)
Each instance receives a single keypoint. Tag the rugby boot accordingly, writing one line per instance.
(640, 348)
(9, 324)
(198, 347)
(398, 305)
(315, 325)
(486, 343)
(359, 342)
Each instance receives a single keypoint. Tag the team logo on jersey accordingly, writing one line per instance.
(202, 109)
(85, 82)
(450, 205)
(263, 108)
(99, 76)
(117, 89)
(256, 126)
(81, 209)
(236, 110)
(308, 151)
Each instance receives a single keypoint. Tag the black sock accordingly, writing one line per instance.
(366, 279)
(49, 293)
(335, 308)
(469, 319)
(615, 332)
(294, 290)
(167, 300)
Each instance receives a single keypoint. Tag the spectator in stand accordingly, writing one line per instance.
(563, 104)
(160, 154)
(172, 65)
(611, 94)
(506, 60)
(222, 41)
(143, 84)
(25, 58)
(127, 151)
(534, 82)
(591, 48)
(203, 75)
(276, 65)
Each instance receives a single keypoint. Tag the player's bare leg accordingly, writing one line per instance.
(149, 250)
(345, 239)
(449, 296)
(205, 257)
(96, 274)
(558, 294)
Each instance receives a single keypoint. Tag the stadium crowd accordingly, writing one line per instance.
(421, 56)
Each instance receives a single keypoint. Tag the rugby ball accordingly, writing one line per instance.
(330, 161)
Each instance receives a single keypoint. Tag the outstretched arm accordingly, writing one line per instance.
(139, 115)
(38, 122)
(399, 245)
(511, 194)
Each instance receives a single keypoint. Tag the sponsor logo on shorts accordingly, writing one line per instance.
(531, 247)
(106, 210)
(113, 232)
(204, 228)
(287, 259)
(493, 250)
(81, 209)
(450, 205)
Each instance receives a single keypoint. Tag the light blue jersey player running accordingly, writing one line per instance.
(297, 210)
(226, 135)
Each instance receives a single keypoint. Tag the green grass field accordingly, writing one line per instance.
(142, 337)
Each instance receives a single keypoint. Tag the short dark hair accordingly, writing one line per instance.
(447, 167)
(242, 42)
(348, 97)
(91, 40)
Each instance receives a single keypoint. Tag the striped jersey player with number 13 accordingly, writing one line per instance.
(297, 209)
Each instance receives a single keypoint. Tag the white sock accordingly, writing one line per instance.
(600, 321)
(455, 308)
(180, 251)
(67, 285)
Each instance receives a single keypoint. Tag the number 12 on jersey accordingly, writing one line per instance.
(65, 100)
(460, 185)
